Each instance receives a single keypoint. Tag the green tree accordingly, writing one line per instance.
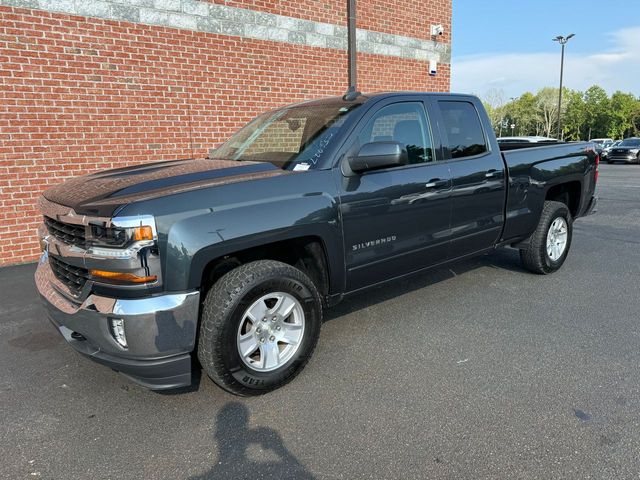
(622, 108)
(575, 116)
(597, 110)
(585, 115)
(635, 120)
(527, 114)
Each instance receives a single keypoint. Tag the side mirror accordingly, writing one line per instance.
(379, 155)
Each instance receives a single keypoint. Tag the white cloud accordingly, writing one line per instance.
(617, 68)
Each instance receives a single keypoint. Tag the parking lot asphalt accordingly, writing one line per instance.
(477, 370)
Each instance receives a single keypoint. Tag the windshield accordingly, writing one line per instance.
(630, 142)
(290, 138)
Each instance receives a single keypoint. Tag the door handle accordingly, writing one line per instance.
(492, 173)
(436, 182)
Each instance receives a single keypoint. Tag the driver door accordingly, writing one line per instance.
(395, 220)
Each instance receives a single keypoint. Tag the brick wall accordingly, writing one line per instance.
(408, 17)
(80, 94)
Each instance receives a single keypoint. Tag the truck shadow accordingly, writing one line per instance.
(250, 453)
(503, 259)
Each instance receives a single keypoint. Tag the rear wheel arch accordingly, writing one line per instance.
(569, 193)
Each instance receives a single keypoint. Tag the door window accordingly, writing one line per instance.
(405, 123)
(464, 130)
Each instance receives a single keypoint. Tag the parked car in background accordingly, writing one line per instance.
(607, 150)
(601, 144)
(525, 139)
(628, 151)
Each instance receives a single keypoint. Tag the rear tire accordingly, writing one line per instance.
(245, 325)
(550, 243)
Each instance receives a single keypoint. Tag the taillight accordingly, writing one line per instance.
(595, 177)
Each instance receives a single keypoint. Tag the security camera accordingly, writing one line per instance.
(433, 67)
(437, 30)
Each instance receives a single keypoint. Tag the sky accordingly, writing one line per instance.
(506, 46)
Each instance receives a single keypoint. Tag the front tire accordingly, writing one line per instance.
(550, 243)
(259, 326)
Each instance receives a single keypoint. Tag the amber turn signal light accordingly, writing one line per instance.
(142, 233)
(122, 277)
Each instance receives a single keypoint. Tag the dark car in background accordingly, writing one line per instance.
(628, 151)
(606, 151)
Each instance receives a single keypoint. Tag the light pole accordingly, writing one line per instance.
(562, 41)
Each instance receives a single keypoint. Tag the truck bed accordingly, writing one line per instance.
(534, 170)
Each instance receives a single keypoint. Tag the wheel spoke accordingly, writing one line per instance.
(257, 311)
(269, 355)
(247, 344)
(285, 306)
(291, 334)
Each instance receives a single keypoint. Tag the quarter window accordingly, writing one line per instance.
(464, 130)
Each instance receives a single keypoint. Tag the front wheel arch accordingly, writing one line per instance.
(221, 325)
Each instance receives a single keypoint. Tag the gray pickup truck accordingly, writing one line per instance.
(231, 260)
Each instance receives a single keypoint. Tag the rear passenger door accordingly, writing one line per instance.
(478, 176)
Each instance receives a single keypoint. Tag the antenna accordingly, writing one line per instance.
(352, 91)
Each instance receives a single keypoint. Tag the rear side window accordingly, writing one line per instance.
(464, 130)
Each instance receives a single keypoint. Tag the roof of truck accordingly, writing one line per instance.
(364, 97)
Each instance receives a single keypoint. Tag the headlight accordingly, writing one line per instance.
(635, 150)
(122, 237)
(118, 237)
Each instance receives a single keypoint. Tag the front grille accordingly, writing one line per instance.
(67, 233)
(73, 277)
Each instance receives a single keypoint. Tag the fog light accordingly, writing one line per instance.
(117, 330)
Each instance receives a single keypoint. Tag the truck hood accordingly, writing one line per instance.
(102, 193)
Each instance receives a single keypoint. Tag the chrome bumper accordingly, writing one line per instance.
(160, 330)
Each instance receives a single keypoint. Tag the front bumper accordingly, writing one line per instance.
(160, 330)
(622, 158)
